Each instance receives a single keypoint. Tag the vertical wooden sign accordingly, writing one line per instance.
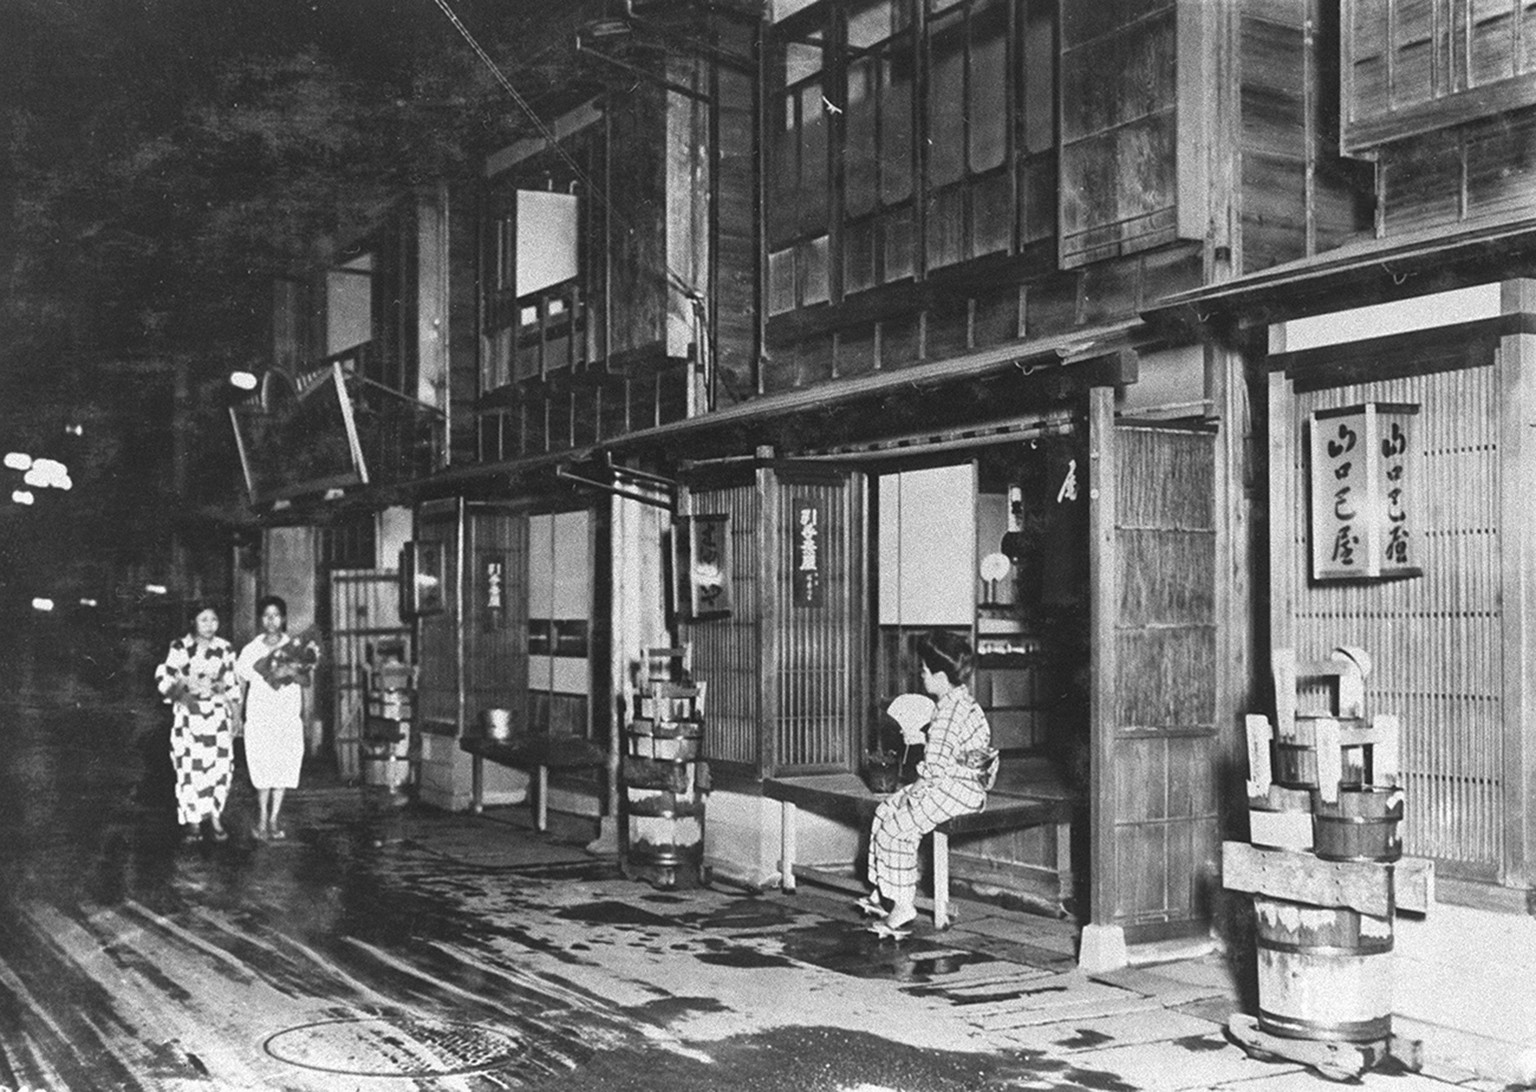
(1363, 506)
(807, 555)
(702, 564)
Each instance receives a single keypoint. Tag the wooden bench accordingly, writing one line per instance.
(536, 751)
(846, 797)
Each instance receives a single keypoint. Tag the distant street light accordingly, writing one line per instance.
(22, 496)
(74, 430)
(88, 602)
(48, 473)
(42, 604)
(17, 460)
(245, 381)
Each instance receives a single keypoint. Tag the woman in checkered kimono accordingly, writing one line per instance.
(198, 680)
(957, 769)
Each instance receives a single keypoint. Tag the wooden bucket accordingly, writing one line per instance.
(1361, 826)
(1325, 973)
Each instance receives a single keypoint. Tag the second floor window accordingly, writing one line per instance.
(533, 264)
(941, 117)
(797, 227)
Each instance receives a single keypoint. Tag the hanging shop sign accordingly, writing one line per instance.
(702, 564)
(1364, 511)
(806, 562)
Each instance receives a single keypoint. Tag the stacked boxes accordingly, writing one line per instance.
(665, 780)
(387, 726)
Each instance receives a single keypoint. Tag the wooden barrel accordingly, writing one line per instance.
(664, 791)
(1325, 973)
(1361, 826)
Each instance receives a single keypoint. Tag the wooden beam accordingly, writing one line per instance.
(1369, 887)
(1103, 604)
(1283, 511)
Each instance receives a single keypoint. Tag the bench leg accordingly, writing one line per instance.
(541, 816)
(477, 784)
(940, 880)
(786, 846)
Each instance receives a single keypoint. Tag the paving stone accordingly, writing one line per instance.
(1197, 1062)
(1145, 1026)
(1168, 990)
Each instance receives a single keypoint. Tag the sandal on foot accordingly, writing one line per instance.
(870, 905)
(278, 834)
(900, 917)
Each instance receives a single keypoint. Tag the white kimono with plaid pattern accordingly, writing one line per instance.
(202, 747)
(945, 787)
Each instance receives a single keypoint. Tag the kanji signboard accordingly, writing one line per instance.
(1364, 516)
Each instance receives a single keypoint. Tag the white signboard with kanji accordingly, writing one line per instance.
(1364, 515)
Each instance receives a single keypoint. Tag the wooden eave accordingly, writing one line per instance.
(1357, 275)
(740, 428)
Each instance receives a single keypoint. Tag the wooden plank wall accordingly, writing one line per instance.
(1164, 758)
(1478, 170)
(734, 252)
(1436, 641)
(1414, 67)
(1299, 195)
(637, 244)
(728, 652)
(1119, 98)
(821, 712)
(890, 330)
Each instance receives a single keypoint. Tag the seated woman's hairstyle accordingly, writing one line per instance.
(946, 653)
(272, 601)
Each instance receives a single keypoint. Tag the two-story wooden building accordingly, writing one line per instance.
(1023, 308)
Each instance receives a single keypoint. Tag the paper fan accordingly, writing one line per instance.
(912, 711)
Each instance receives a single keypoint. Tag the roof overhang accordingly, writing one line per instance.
(1359, 274)
(1100, 355)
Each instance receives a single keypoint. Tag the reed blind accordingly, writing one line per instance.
(820, 653)
(727, 652)
(1435, 640)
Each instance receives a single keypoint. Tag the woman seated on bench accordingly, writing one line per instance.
(958, 767)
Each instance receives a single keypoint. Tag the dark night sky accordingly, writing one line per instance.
(164, 160)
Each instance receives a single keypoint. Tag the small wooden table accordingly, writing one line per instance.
(846, 797)
(535, 751)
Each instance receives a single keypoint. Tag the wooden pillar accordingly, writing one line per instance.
(1517, 584)
(1103, 941)
(768, 619)
(1283, 510)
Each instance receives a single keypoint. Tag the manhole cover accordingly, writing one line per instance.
(400, 1047)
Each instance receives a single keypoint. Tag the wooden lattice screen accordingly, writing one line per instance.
(1436, 640)
(727, 652)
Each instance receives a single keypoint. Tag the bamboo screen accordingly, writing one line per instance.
(727, 652)
(1435, 640)
(1165, 750)
(819, 653)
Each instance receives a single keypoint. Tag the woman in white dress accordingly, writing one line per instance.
(274, 716)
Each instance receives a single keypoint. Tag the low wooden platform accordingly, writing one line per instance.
(534, 751)
(845, 797)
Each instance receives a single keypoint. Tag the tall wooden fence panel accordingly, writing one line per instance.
(1436, 639)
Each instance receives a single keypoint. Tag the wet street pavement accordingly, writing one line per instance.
(386, 947)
